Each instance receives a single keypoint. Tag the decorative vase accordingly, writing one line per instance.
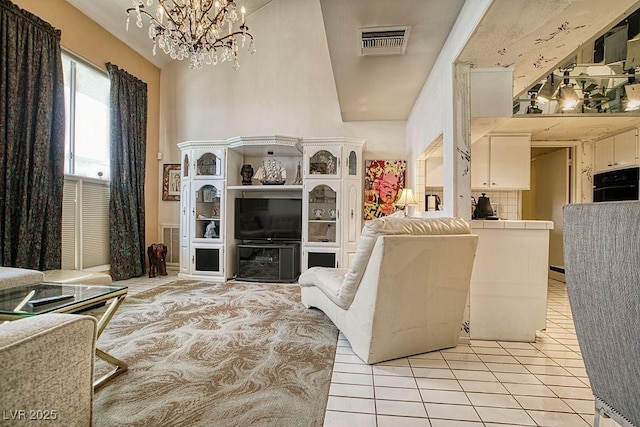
(246, 172)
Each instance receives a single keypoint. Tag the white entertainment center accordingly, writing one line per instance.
(324, 173)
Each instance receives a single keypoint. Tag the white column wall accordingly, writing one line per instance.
(433, 112)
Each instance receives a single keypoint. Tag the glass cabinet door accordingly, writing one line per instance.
(207, 259)
(207, 208)
(352, 164)
(323, 215)
(208, 163)
(185, 167)
(325, 162)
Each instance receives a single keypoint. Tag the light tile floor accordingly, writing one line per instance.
(483, 383)
(144, 283)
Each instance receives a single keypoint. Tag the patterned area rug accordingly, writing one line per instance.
(203, 354)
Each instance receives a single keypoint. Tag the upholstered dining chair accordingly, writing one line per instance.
(602, 270)
(405, 291)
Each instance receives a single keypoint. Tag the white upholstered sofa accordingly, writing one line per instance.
(405, 291)
(12, 276)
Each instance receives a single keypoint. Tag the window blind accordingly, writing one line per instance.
(85, 223)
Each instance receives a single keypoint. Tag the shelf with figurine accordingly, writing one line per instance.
(272, 176)
(207, 228)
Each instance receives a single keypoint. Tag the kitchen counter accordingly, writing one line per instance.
(508, 295)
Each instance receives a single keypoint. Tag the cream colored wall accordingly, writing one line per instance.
(86, 39)
(286, 88)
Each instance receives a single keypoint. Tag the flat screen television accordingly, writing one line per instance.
(268, 219)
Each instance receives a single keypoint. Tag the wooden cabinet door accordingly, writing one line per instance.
(603, 154)
(510, 162)
(350, 216)
(624, 149)
(480, 164)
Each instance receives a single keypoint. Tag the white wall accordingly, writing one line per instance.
(285, 88)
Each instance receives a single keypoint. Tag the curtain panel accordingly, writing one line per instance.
(128, 156)
(31, 140)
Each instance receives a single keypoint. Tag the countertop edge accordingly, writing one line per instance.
(512, 224)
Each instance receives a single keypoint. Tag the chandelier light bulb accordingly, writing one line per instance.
(193, 29)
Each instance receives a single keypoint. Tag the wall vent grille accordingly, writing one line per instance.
(383, 40)
(171, 237)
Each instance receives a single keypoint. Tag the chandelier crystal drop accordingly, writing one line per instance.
(200, 30)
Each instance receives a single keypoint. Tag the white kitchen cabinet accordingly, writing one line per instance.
(501, 162)
(480, 152)
(618, 151)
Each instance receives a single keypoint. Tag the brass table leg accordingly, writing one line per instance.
(119, 364)
(120, 368)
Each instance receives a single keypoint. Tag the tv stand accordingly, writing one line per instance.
(269, 262)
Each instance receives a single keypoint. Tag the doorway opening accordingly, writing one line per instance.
(552, 187)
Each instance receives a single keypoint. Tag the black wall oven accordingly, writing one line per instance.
(622, 184)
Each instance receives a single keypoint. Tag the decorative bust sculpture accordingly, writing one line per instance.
(246, 172)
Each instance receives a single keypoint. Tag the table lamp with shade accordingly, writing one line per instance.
(406, 198)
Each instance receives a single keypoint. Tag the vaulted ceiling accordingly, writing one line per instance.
(532, 37)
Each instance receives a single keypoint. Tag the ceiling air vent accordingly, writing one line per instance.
(383, 40)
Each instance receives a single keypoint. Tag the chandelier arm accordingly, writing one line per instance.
(154, 21)
(219, 43)
(142, 11)
(233, 35)
(215, 22)
(223, 9)
(206, 12)
(208, 27)
(216, 19)
(169, 16)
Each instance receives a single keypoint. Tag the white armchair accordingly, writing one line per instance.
(405, 291)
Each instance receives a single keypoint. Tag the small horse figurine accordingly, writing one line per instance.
(157, 254)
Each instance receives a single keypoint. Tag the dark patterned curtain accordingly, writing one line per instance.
(31, 140)
(128, 155)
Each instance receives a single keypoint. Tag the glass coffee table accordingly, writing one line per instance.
(30, 300)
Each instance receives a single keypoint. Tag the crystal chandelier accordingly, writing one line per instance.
(201, 30)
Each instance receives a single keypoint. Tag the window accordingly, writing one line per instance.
(85, 211)
(87, 119)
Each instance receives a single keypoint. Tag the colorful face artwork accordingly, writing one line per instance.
(383, 181)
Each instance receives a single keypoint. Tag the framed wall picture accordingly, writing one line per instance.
(383, 180)
(171, 182)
